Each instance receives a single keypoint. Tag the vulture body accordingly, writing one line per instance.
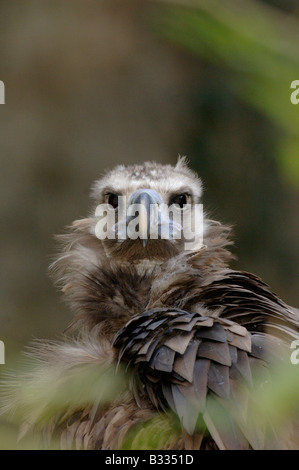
(193, 341)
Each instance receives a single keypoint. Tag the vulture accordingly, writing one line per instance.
(168, 347)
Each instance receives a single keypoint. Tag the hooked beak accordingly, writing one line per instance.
(145, 198)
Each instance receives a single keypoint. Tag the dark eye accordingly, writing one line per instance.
(179, 199)
(113, 200)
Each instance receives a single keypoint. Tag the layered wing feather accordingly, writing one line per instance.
(205, 369)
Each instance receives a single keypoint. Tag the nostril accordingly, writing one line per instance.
(145, 196)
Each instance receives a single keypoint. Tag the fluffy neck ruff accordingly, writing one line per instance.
(108, 290)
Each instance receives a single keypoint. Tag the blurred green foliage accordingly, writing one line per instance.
(36, 392)
(258, 44)
(156, 433)
(52, 395)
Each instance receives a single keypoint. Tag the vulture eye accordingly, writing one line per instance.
(179, 199)
(113, 200)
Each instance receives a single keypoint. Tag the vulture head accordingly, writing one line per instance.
(149, 211)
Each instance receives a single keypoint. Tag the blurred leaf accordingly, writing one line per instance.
(156, 433)
(257, 43)
(278, 400)
(38, 393)
(282, 399)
